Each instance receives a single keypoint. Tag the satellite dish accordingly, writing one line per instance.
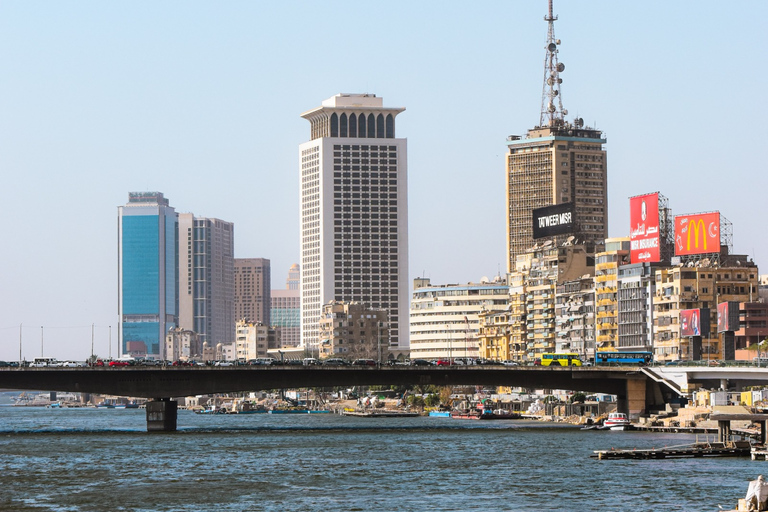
(550, 81)
(485, 279)
(551, 107)
(565, 112)
(557, 41)
(555, 92)
(561, 67)
(552, 47)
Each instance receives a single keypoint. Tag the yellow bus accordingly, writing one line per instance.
(560, 359)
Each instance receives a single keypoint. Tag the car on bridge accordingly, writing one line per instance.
(421, 362)
(335, 361)
(118, 363)
(363, 362)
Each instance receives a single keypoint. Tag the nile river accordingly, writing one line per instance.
(78, 460)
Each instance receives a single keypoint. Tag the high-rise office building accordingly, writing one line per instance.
(286, 310)
(557, 162)
(147, 273)
(354, 213)
(206, 278)
(253, 281)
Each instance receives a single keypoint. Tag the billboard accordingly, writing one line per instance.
(697, 234)
(644, 228)
(728, 316)
(558, 219)
(694, 322)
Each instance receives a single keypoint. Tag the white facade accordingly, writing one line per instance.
(251, 340)
(354, 213)
(444, 318)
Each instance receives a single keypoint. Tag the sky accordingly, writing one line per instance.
(202, 101)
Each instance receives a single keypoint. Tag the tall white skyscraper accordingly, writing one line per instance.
(354, 213)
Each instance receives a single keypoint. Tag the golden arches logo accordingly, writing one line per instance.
(696, 227)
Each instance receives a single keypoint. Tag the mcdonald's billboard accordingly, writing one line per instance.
(694, 322)
(644, 228)
(697, 234)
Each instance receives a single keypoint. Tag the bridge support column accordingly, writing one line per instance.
(723, 430)
(161, 415)
(633, 402)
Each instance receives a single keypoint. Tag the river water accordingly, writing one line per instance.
(79, 460)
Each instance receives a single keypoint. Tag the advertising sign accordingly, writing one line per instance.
(728, 316)
(557, 219)
(697, 234)
(644, 228)
(694, 322)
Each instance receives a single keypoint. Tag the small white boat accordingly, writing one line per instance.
(617, 421)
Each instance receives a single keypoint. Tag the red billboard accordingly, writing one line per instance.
(697, 234)
(728, 316)
(644, 228)
(694, 322)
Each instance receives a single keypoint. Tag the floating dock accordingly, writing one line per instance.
(381, 414)
(728, 449)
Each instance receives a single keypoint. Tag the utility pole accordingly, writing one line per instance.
(20, 325)
(42, 346)
(93, 326)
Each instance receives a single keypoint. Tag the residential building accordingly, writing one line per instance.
(147, 273)
(251, 340)
(636, 294)
(354, 213)
(206, 280)
(445, 319)
(692, 287)
(286, 310)
(753, 323)
(493, 339)
(607, 265)
(351, 330)
(182, 345)
(557, 162)
(533, 290)
(253, 283)
(575, 317)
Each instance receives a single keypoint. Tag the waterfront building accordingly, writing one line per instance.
(182, 345)
(557, 162)
(253, 283)
(286, 310)
(206, 277)
(691, 287)
(354, 213)
(147, 273)
(636, 293)
(538, 272)
(575, 317)
(753, 326)
(493, 339)
(445, 319)
(518, 316)
(352, 330)
(607, 263)
(251, 340)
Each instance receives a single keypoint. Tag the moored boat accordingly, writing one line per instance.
(617, 421)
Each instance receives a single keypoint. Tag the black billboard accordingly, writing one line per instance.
(558, 219)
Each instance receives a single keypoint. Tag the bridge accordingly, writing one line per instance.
(637, 389)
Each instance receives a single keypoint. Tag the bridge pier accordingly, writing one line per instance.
(161, 415)
(633, 401)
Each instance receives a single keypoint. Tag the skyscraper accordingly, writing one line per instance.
(253, 281)
(147, 273)
(557, 162)
(206, 279)
(354, 213)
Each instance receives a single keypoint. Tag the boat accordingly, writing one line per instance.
(616, 421)
(440, 414)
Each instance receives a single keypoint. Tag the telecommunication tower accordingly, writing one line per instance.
(552, 111)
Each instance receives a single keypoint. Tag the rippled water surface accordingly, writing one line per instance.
(78, 460)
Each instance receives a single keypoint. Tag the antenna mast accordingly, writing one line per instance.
(552, 111)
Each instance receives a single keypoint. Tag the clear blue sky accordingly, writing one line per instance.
(202, 101)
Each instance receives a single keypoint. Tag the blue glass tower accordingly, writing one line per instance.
(147, 273)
